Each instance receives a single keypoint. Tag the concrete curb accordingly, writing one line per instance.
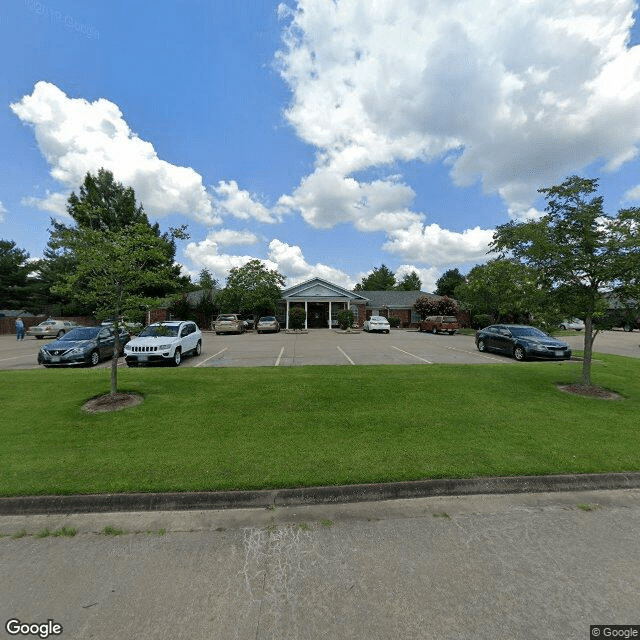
(103, 503)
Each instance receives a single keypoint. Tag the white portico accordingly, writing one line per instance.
(321, 301)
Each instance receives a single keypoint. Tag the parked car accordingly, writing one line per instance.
(443, 324)
(575, 323)
(228, 323)
(268, 323)
(51, 328)
(249, 323)
(164, 342)
(522, 342)
(81, 346)
(132, 327)
(377, 323)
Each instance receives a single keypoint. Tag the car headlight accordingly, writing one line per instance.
(163, 347)
(76, 351)
(539, 347)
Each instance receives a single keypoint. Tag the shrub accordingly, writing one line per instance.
(394, 321)
(297, 316)
(345, 318)
(481, 320)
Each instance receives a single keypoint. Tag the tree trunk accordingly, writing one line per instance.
(588, 344)
(114, 363)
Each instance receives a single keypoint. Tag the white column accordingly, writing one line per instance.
(330, 324)
(287, 320)
(306, 315)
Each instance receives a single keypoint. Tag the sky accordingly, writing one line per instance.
(323, 137)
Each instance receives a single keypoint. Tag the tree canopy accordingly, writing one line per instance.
(446, 284)
(121, 263)
(501, 289)
(380, 279)
(577, 252)
(410, 282)
(251, 288)
(14, 272)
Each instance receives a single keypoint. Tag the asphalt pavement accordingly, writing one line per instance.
(517, 566)
(330, 347)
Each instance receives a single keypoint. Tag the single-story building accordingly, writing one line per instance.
(322, 301)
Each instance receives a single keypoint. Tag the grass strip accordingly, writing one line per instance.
(254, 428)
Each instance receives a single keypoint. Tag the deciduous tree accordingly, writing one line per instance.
(251, 288)
(577, 252)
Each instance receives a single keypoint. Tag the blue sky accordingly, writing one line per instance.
(325, 138)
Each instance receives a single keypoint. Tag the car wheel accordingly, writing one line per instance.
(198, 350)
(60, 334)
(177, 358)
(39, 337)
(519, 353)
(627, 328)
(387, 331)
(94, 358)
(217, 333)
(481, 345)
(563, 327)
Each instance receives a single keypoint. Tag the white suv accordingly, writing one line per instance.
(164, 342)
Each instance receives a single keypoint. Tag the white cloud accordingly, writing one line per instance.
(229, 236)
(440, 247)
(55, 203)
(205, 254)
(326, 198)
(76, 136)
(292, 264)
(241, 204)
(3, 211)
(378, 82)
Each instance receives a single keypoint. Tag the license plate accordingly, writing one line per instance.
(55, 358)
(559, 353)
(143, 358)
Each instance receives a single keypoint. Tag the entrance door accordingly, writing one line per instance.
(318, 315)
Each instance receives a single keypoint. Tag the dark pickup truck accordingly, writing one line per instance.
(440, 324)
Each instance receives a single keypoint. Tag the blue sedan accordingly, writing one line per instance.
(522, 342)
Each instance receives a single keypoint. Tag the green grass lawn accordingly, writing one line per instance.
(247, 428)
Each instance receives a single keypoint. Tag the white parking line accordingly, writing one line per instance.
(211, 357)
(279, 357)
(345, 355)
(413, 355)
(14, 358)
(477, 353)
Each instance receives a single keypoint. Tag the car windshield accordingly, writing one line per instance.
(82, 333)
(46, 323)
(226, 318)
(159, 331)
(267, 319)
(522, 332)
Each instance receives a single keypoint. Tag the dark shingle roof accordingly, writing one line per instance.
(393, 299)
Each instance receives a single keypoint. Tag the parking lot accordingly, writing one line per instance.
(328, 347)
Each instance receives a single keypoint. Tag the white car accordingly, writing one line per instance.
(377, 323)
(575, 323)
(164, 342)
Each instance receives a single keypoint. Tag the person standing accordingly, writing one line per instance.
(19, 329)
